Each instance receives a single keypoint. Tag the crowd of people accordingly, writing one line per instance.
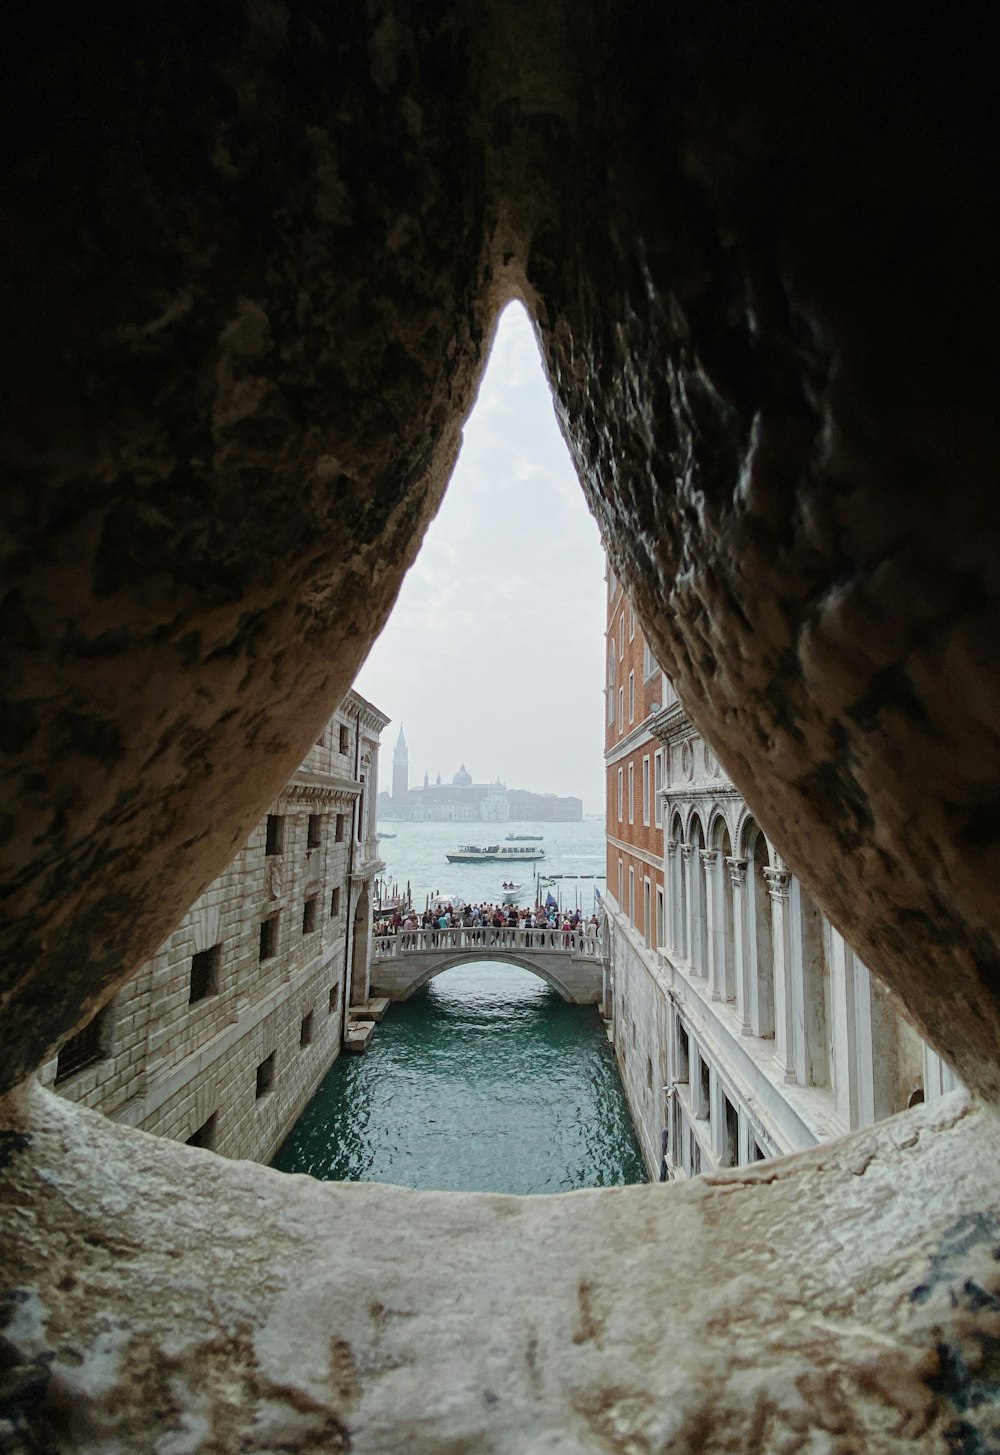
(490, 916)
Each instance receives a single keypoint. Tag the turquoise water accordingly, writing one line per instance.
(485, 1080)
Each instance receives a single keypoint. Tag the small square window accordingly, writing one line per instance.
(315, 835)
(204, 974)
(84, 1049)
(205, 1135)
(306, 1030)
(335, 902)
(275, 842)
(345, 737)
(265, 1076)
(341, 820)
(269, 937)
(309, 916)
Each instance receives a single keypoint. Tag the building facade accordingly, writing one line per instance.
(223, 1036)
(744, 1025)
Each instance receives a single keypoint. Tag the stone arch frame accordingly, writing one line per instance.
(723, 922)
(952, 990)
(470, 956)
(759, 987)
(678, 885)
(697, 893)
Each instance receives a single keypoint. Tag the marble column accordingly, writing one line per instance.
(716, 968)
(690, 917)
(778, 884)
(738, 875)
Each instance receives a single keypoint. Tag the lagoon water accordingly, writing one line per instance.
(485, 1080)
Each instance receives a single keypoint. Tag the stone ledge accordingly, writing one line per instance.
(161, 1295)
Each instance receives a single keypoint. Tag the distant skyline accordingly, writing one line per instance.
(494, 652)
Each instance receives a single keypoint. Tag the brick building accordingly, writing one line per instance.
(223, 1036)
(635, 692)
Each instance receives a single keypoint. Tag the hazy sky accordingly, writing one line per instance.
(494, 652)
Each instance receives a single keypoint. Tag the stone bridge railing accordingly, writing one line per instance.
(585, 943)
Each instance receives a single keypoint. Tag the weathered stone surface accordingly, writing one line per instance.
(254, 260)
(254, 255)
(183, 1302)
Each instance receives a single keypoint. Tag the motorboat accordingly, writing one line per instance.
(494, 854)
(525, 838)
(511, 892)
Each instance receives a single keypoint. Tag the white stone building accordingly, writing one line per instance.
(744, 1025)
(224, 1035)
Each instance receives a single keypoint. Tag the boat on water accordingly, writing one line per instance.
(494, 854)
(525, 838)
(511, 892)
(385, 836)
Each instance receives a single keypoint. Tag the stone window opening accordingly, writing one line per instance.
(265, 1076)
(683, 1054)
(334, 999)
(621, 710)
(314, 833)
(204, 974)
(306, 1030)
(335, 901)
(275, 835)
(339, 828)
(705, 1087)
(269, 937)
(731, 1134)
(345, 737)
(631, 697)
(86, 1048)
(309, 915)
(206, 1134)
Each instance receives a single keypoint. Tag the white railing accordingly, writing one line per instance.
(487, 937)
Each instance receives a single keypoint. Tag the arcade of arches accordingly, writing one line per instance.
(255, 255)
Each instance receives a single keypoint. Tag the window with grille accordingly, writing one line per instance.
(265, 1076)
(275, 842)
(84, 1049)
(205, 1136)
(269, 937)
(204, 974)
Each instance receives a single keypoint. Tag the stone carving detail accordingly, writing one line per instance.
(687, 761)
(737, 872)
(275, 877)
(708, 857)
(711, 762)
(687, 850)
(778, 881)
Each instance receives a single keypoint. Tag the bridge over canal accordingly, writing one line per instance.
(569, 960)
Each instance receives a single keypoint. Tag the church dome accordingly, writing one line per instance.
(462, 779)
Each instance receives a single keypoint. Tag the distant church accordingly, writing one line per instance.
(462, 801)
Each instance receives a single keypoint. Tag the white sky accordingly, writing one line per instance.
(494, 652)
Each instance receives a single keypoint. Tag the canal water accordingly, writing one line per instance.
(485, 1080)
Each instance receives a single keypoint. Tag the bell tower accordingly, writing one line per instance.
(400, 769)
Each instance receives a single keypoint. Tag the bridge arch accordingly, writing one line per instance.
(450, 961)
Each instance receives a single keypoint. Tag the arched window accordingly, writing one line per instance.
(612, 684)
